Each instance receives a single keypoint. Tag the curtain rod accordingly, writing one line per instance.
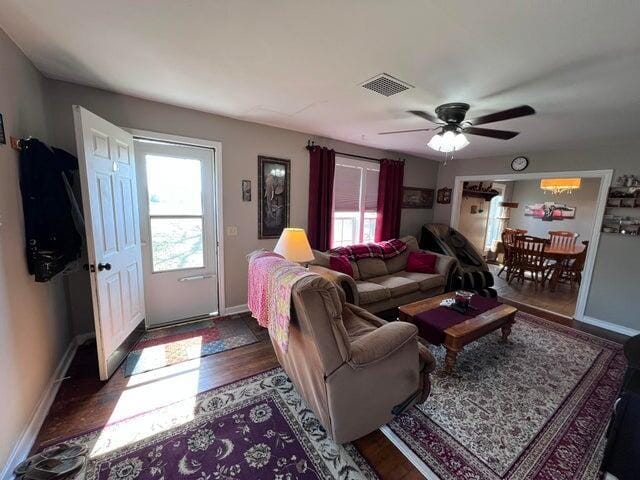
(311, 144)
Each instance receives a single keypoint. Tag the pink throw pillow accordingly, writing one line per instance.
(340, 263)
(421, 262)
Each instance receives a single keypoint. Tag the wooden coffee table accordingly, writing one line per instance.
(457, 336)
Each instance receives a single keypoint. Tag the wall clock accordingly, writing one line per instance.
(519, 163)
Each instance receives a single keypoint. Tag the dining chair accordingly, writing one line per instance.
(528, 256)
(508, 240)
(573, 270)
(562, 239)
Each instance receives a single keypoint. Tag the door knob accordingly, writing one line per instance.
(104, 266)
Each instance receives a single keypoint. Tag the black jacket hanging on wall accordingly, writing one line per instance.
(52, 240)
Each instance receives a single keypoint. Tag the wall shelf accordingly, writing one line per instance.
(622, 198)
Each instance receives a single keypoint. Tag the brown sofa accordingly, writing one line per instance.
(379, 285)
(353, 369)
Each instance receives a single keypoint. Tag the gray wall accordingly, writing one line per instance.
(34, 330)
(526, 192)
(242, 142)
(614, 285)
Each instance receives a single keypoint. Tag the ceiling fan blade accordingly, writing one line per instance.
(522, 111)
(425, 115)
(489, 132)
(407, 131)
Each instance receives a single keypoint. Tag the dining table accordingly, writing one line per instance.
(562, 255)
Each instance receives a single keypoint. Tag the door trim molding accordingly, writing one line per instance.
(218, 206)
(605, 177)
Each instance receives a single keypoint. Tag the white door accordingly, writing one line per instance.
(179, 245)
(110, 203)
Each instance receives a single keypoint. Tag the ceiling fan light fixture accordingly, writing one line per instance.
(448, 141)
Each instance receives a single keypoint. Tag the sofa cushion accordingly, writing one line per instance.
(324, 260)
(371, 267)
(341, 264)
(421, 262)
(355, 325)
(397, 263)
(372, 292)
(426, 281)
(396, 285)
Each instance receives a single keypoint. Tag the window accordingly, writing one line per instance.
(355, 198)
(175, 210)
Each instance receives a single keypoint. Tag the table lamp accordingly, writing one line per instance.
(294, 246)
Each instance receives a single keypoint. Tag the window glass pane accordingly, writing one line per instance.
(174, 185)
(176, 243)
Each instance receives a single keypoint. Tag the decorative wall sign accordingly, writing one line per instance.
(3, 139)
(444, 196)
(413, 197)
(549, 211)
(246, 190)
(273, 196)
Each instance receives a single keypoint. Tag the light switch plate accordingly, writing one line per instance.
(232, 231)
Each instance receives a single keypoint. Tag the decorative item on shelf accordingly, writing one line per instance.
(444, 196)
(273, 196)
(293, 245)
(549, 211)
(482, 190)
(558, 186)
(628, 181)
(413, 197)
(246, 190)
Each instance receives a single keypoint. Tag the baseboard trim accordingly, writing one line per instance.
(237, 309)
(28, 437)
(613, 327)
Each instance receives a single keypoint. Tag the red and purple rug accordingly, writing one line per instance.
(534, 408)
(168, 346)
(257, 428)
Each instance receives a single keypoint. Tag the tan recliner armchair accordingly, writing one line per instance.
(354, 370)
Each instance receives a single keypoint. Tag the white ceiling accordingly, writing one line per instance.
(298, 64)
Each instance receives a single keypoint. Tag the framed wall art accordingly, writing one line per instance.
(246, 190)
(273, 196)
(444, 196)
(549, 211)
(413, 197)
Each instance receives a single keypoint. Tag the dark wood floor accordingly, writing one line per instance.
(84, 403)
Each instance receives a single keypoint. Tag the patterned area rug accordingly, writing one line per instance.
(534, 408)
(255, 428)
(168, 346)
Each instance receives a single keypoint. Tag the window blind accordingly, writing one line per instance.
(346, 189)
(371, 194)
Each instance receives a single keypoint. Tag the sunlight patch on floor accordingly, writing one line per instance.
(153, 402)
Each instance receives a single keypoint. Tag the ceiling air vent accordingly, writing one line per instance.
(386, 85)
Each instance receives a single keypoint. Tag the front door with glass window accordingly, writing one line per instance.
(179, 244)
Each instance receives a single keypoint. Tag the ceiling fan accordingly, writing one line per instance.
(452, 125)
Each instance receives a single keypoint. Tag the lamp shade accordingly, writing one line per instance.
(294, 245)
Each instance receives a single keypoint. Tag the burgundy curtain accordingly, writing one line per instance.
(321, 171)
(389, 199)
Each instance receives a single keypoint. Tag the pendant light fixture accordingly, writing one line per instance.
(560, 185)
